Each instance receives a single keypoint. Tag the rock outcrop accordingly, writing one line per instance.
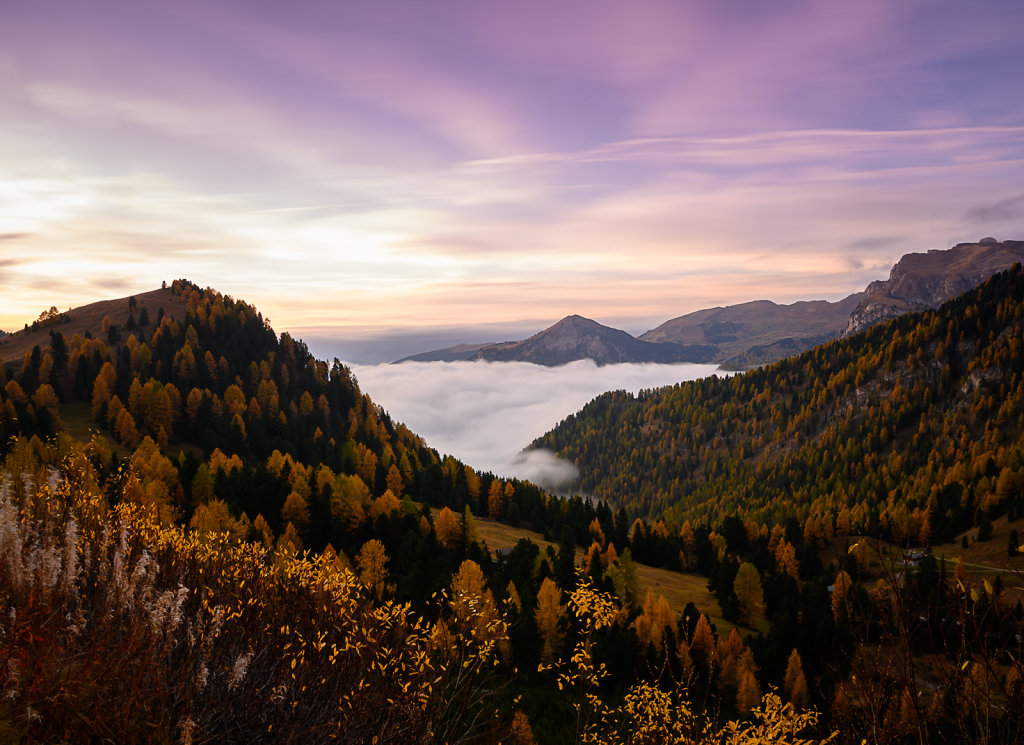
(922, 281)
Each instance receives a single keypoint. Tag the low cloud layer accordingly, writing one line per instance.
(485, 413)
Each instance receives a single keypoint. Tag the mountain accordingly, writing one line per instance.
(746, 335)
(447, 354)
(577, 338)
(572, 338)
(894, 428)
(919, 281)
(750, 334)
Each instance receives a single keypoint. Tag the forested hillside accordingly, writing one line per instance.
(207, 535)
(239, 546)
(910, 430)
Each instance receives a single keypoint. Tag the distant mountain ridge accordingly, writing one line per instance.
(575, 337)
(750, 334)
(746, 335)
(572, 338)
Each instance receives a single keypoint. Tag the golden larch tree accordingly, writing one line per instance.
(549, 614)
(495, 496)
(702, 646)
(394, 481)
(447, 529)
(795, 684)
(749, 594)
(372, 562)
(296, 511)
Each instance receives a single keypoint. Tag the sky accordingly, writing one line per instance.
(485, 413)
(468, 170)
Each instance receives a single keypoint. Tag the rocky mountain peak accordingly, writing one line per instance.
(921, 281)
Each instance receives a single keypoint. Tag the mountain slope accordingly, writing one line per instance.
(920, 281)
(124, 315)
(905, 429)
(446, 354)
(758, 331)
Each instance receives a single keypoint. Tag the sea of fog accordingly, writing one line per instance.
(485, 413)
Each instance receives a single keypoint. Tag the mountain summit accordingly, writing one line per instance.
(576, 338)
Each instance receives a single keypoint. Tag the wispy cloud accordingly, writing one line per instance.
(380, 165)
(1010, 208)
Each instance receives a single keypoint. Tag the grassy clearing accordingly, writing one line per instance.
(78, 422)
(678, 588)
(985, 560)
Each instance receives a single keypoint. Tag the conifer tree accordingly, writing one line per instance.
(372, 562)
(749, 594)
(795, 684)
(549, 614)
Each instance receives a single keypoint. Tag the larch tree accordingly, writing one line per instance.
(795, 684)
(289, 541)
(470, 532)
(702, 645)
(748, 692)
(651, 623)
(372, 562)
(495, 496)
(394, 481)
(385, 504)
(840, 589)
(474, 608)
(296, 511)
(549, 614)
(749, 594)
(447, 529)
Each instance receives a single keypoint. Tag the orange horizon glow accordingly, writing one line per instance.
(353, 170)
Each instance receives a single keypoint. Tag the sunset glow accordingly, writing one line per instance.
(355, 168)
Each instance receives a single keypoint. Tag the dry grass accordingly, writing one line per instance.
(90, 318)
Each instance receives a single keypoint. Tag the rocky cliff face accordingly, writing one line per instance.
(921, 281)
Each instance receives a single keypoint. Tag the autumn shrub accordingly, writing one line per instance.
(651, 714)
(116, 628)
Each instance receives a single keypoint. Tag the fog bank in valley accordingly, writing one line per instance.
(485, 413)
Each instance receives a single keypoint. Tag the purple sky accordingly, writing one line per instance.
(354, 168)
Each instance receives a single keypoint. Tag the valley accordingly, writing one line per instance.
(798, 526)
